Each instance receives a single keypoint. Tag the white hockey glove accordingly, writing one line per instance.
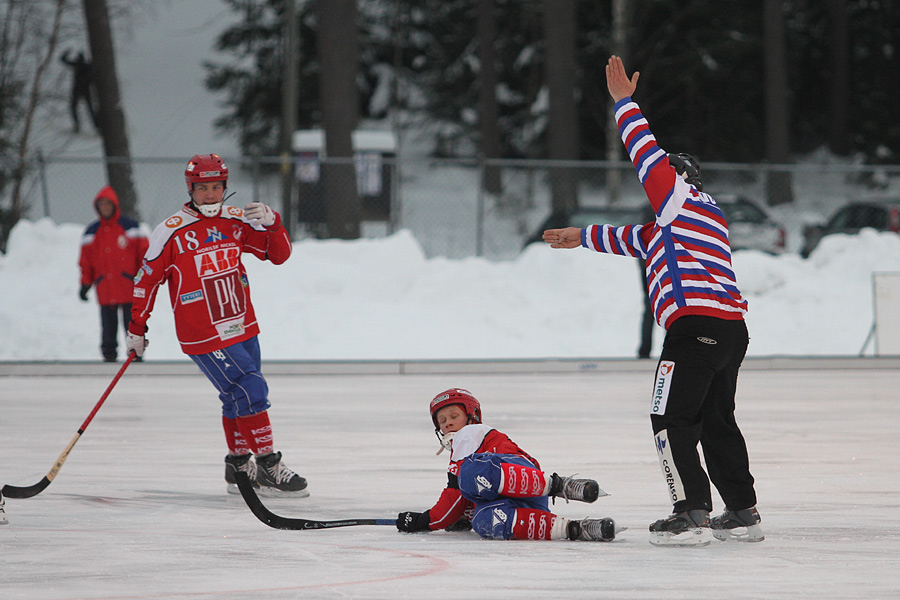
(257, 211)
(136, 343)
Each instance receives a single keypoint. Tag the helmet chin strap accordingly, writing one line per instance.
(446, 440)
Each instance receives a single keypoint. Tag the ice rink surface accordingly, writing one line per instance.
(139, 509)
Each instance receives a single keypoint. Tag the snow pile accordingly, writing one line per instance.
(383, 300)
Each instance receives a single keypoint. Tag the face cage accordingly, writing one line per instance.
(441, 441)
(209, 210)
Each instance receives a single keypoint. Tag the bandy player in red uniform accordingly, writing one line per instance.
(198, 252)
(497, 485)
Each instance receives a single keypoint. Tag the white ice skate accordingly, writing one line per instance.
(689, 528)
(738, 526)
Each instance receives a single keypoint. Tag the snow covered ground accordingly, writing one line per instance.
(383, 299)
(139, 509)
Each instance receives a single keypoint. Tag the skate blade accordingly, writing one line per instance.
(753, 533)
(232, 488)
(697, 537)
(270, 492)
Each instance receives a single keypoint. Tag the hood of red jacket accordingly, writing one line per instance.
(110, 194)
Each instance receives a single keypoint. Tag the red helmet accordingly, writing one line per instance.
(456, 396)
(203, 168)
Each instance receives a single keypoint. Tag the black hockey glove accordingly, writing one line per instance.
(462, 525)
(410, 522)
(82, 293)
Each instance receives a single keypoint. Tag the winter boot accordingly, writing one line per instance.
(737, 526)
(592, 530)
(583, 490)
(275, 479)
(239, 462)
(688, 528)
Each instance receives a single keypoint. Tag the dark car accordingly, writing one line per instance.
(749, 225)
(880, 213)
(593, 215)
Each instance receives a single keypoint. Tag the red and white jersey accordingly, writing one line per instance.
(689, 270)
(471, 439)
(200, 258)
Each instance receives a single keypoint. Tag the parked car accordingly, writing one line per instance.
(750, 227)
(878, 212)
(593, 215)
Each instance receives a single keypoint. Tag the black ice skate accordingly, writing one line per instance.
(592, 530)
(737, 526)
(583, 490)
(275, 479)
(689, 528)
(239, 462)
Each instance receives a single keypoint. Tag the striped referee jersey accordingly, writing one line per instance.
(688, 257)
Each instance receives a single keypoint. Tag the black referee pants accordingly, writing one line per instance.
(693, 402)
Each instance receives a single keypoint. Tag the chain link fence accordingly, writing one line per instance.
(454, 208)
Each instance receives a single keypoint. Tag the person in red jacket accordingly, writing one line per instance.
(112, 249)
(495, 487)
(198, 252)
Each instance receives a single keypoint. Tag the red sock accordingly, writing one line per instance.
(257, 431)
(236, 442)
(532, 524)
(522, 482)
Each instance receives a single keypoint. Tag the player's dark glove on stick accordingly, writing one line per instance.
(82, 293)
(410, 522)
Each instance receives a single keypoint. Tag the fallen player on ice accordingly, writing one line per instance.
(496, 488)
